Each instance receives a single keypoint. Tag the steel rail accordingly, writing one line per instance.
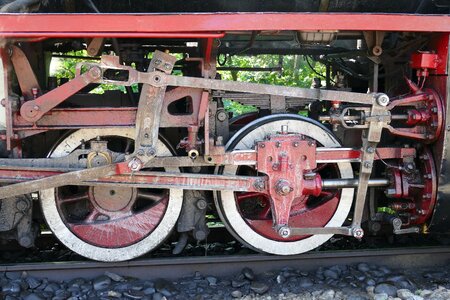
(176, 267)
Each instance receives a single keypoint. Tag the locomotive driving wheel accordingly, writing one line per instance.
(109, 223)
(248, 215)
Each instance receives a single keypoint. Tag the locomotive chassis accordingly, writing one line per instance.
(39, 113)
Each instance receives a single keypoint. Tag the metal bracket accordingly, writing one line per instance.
(149, 112)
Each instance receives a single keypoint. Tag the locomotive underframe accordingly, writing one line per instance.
(39, 113)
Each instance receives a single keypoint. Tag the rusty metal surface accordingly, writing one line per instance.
(25, 75)
(33, 110)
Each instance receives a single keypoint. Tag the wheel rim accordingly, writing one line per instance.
(110, 223)
(255, 230)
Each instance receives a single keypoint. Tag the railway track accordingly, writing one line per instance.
(422, 257)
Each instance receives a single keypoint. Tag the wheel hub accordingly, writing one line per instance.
(112, 199)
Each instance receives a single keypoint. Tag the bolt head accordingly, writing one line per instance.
(95, 72)
(151, 152)
(284, 232)
(221, 116)
(383, 100)
(367, 164)
(358, 233)
(201, 204)
(259, 185)
(135, 164)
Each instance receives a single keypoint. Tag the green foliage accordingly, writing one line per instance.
(65, 68)
(294, 72)
(236, 108)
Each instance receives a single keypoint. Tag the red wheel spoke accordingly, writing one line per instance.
(92, 216)
(320, 167)
(248, 195)
(147, 195)
(264, 214)
(121, 231)
(74, 198)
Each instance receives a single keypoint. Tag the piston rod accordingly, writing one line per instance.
(352, 183)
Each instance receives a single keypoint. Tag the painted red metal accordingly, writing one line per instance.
(33, 110)
(419, 188)
(24, 73)
(37, 36)
(354, 154)
(424, 60)
(190, 25)
(112, 221)
(428, 109)
(288, 160)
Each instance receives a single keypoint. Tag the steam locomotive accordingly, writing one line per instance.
(362, 151)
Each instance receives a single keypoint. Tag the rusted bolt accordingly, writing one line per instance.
(283, 187)
(95, 72)
(201, 204)
(151, 152)
(377, 50)
(357, 233)
(383, 100)
(221, 116)
(284, 232)
(259, 185)
(156, 78)
(410, 166)
(135, 164)
(193, 154)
